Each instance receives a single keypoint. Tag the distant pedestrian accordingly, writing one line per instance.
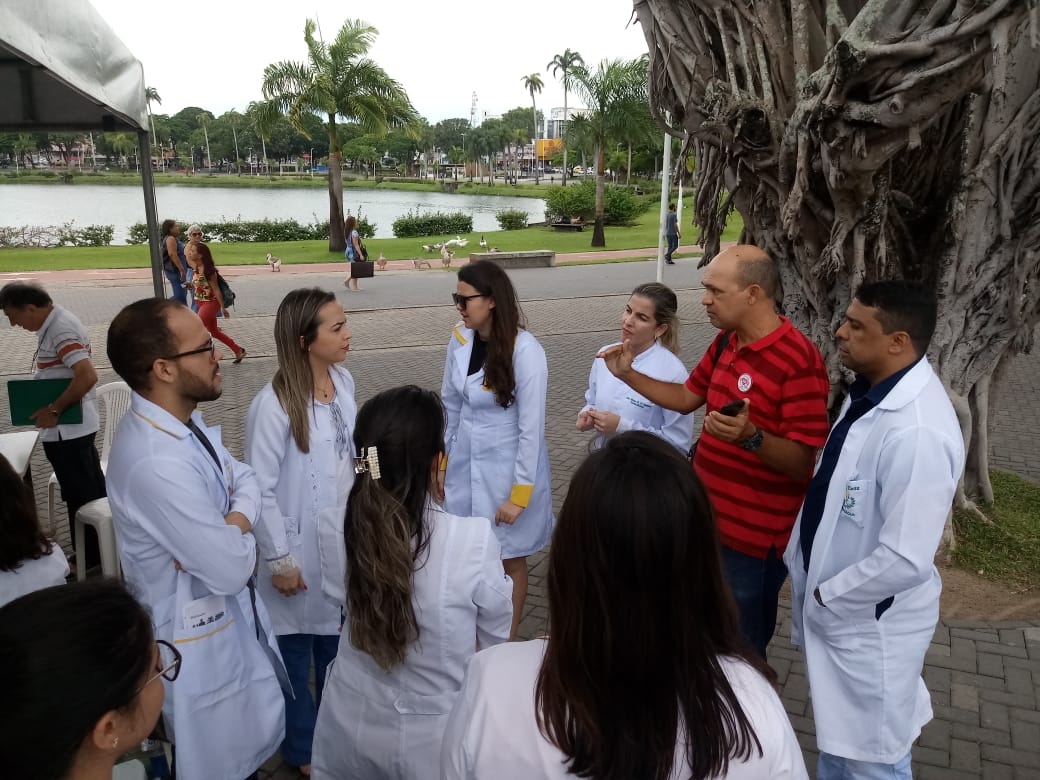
(63, 351)
(174, 263)
(353, 251)
(865, 590)
(211, 300)
(671, 230)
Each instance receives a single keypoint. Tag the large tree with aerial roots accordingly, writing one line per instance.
(867, 139)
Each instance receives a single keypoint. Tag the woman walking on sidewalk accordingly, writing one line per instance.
(353, 252)
(210, 299)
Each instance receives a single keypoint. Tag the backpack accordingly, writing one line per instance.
(225, 291)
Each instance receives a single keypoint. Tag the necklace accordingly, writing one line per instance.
(325, 394)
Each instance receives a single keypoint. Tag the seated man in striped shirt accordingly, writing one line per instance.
(756, 462)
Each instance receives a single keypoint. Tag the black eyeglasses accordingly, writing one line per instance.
(211, 348)
(462, 300)
(169, 665)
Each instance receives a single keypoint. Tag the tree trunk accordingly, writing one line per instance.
(599, 238)
(337, 241)
(871, 139)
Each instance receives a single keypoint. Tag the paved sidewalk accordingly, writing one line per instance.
(984, 676)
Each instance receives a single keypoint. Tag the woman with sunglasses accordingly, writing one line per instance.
(298, 440)
(209, 298)
(494, 388)
(82, 676)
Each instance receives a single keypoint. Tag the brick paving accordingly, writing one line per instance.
(984, 676)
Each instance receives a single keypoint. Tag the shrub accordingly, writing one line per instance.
(414, 224)
(620, 205)
(52, 236)
(512, 219)
(265, 230)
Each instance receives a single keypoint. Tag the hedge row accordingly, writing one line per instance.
(414, 224)
(264, 230)
(55, 235)
(620, 205)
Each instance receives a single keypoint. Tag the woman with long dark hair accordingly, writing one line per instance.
(299, 441)
(650, 327)
(424, 590)
(28, 560)
(209, 298)
(82, 678)
(644, 673)
(175, 265)
(494, 390)
(353, 250)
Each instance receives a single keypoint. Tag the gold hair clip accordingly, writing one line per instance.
(368, 461)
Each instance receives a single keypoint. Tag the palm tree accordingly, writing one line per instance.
(338, 79)
(616, 96)
(152, 96)
(203, 119)
(566, 64)
(533, 84)
(263, 114)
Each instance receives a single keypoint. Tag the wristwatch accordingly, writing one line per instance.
(52, 410)
(752, 442)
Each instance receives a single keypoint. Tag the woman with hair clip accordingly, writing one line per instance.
(644, 673)
(494, 388)
(80, 671)
(298, 440)
(209, 298)
(28, 559)
(650, 326)
(424, 591)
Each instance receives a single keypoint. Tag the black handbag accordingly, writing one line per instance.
(359, 269)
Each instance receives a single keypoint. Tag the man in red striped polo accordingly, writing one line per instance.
(757, 461)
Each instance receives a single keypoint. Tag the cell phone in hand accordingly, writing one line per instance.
(732, 409)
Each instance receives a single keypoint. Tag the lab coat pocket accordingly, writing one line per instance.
(332, 555)
(841, 634)
(856, 501)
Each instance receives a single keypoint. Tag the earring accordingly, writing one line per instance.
(115, 742)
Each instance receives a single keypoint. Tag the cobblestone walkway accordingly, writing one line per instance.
(984, 677)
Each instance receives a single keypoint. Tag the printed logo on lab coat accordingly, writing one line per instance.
(744, 383)
(854, 499)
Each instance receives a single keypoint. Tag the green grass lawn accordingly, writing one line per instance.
(1008, 549)
(641, 235)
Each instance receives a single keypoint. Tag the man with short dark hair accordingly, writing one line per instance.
(766, 388)
(183, 510)
(671, 232)
(63, 352)
(865, 590)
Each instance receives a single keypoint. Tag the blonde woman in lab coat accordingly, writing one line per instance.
(424, 590)
(494, 390)
(299, 441)
(650, 326)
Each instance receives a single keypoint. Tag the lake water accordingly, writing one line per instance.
(96, 204)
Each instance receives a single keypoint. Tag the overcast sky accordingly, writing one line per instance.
(212, 53)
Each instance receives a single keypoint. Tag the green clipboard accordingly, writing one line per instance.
(30, 395)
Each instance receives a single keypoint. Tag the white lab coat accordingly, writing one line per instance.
(885, 510)
(493, 734)
(34, 574)
(607, 393)
(296, 489)
(497, 454)
(225, 712)
(374, 724)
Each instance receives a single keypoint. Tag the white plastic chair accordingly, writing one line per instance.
(98, 514)
(113, 402)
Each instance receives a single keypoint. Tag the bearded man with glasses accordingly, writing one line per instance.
(184, 510)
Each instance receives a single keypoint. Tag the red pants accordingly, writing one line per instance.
(208, 311)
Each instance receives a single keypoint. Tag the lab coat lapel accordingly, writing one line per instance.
(463, 353)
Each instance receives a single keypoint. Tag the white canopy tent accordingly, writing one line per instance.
(62, 68)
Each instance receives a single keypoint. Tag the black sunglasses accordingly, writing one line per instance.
(462, 300)
(211, 348)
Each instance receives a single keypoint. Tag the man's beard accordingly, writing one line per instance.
(198, 390)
